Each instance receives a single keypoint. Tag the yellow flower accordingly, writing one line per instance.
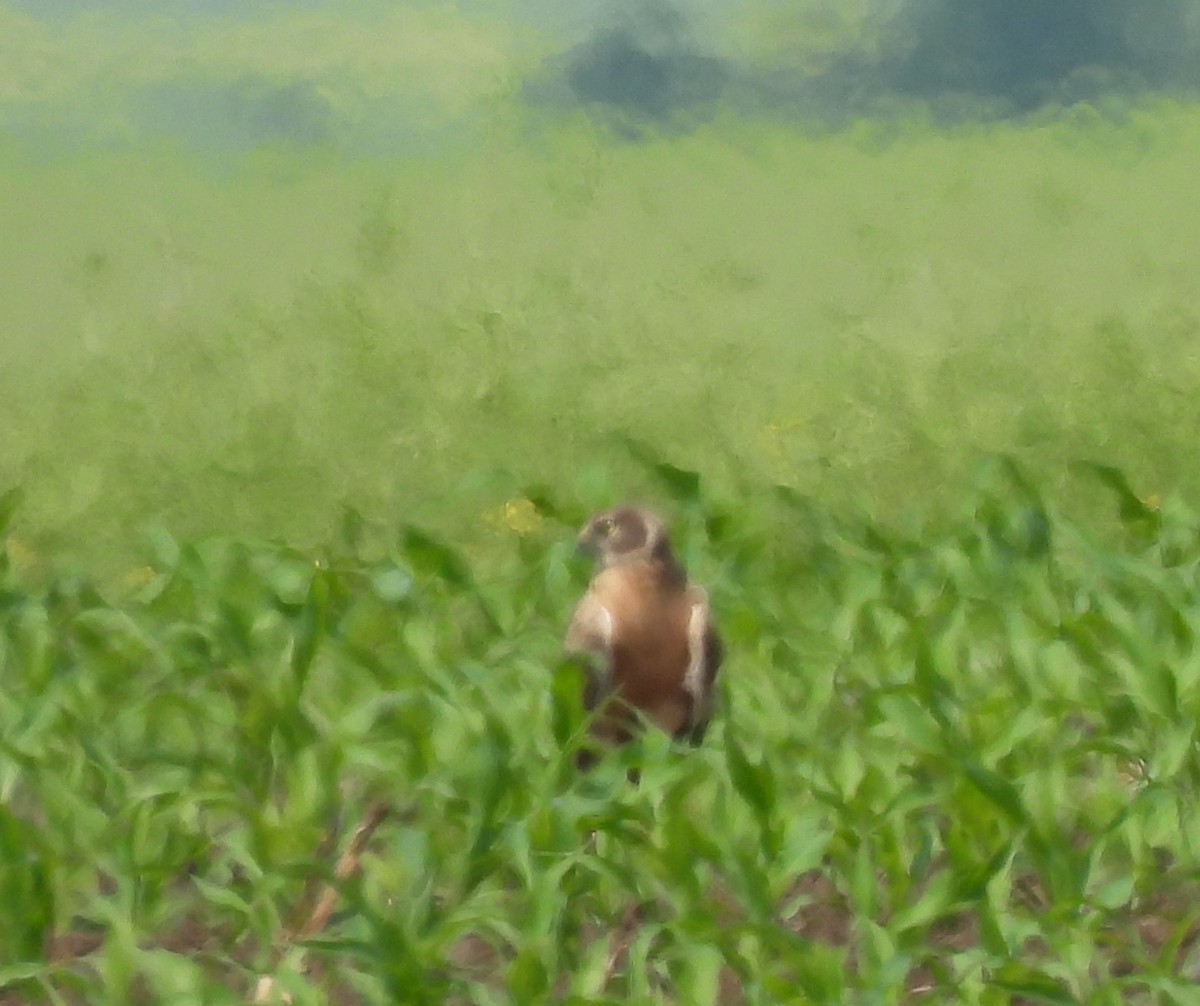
(518, 515)
(139, 577)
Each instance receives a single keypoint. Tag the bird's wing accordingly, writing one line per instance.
(705, 653)
(590, 636)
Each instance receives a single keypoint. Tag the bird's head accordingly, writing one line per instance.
(624, 534)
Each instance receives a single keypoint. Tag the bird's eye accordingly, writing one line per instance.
(606, 526)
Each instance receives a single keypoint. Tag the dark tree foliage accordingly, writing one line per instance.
(647, 64)
(966, 58)
(1026, 50)
(616, 69)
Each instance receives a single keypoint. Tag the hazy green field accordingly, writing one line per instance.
(298, 441)
(247, 345)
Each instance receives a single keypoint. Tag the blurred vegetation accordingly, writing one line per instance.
(247, 345)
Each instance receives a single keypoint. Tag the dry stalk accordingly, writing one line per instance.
(621, 938)
(321, 911)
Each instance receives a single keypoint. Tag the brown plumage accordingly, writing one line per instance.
(644, 631)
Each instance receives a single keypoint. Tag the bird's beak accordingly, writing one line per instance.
(588, 543)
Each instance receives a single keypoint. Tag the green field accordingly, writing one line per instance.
(297, 443)
(954, 769)
(249, 345)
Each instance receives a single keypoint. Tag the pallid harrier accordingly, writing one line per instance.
(644, 633)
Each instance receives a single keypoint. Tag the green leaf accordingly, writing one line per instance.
(164, 549)
(699, 975)
(25, 890)
(548, 504)
(222, 895)
(10, 974)
(432, 557)
(1130, 508)
(804, 843)
(755, 783)
(916, 724)
(392, 584)
(999, 791)
(290, 580)
(864, 883)
(311, 627)
(491, 785)
(934, 901)
(1025, 980)
(352, 527)
(566, 694)
(528, 975)
(1114, 893)
(680, 484)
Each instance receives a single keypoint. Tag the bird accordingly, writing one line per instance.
(643, 632)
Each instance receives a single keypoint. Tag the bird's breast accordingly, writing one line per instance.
(650, 634)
